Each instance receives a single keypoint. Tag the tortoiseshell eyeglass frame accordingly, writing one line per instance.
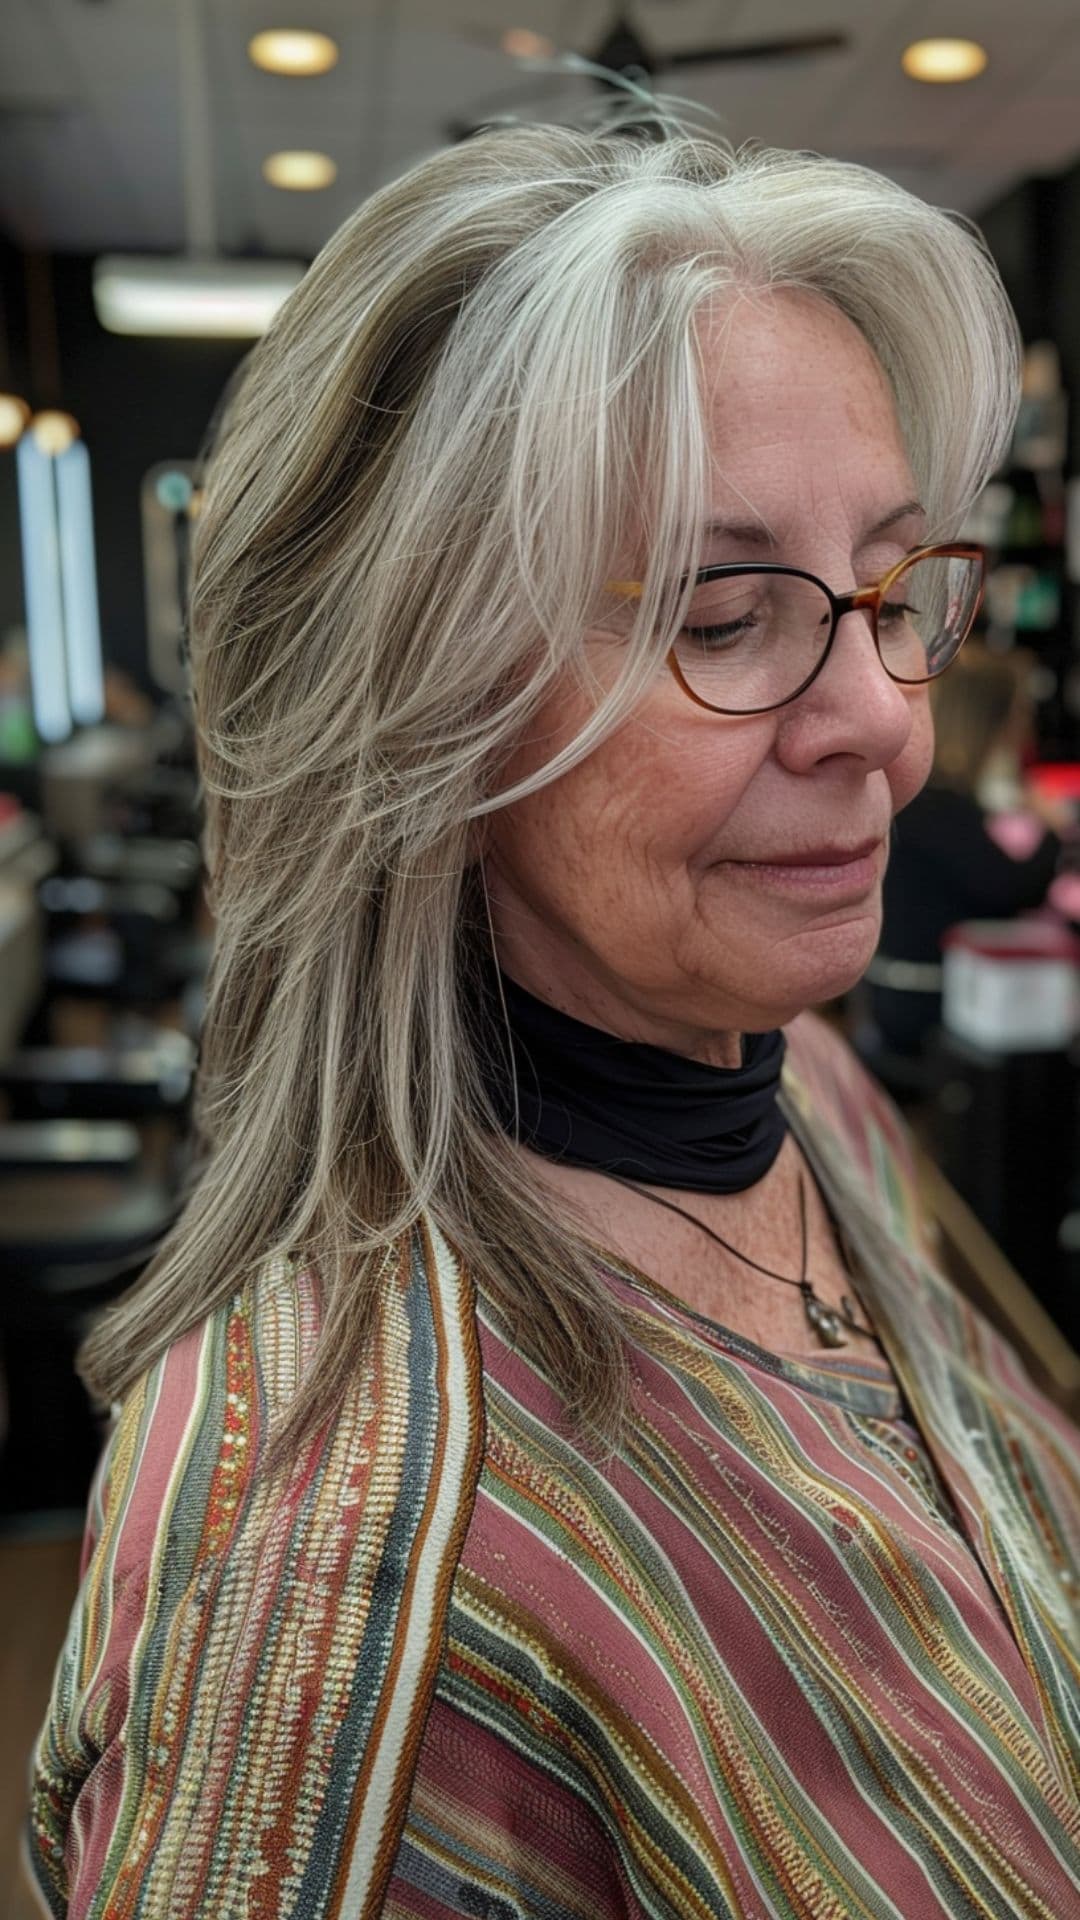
(860, 600)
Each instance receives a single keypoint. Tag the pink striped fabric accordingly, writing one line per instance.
(806, 1648)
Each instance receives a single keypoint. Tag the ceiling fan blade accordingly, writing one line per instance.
(793, 46)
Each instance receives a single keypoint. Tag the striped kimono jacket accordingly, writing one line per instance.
(806, 1647)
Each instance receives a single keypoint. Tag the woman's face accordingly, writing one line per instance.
(651, 889)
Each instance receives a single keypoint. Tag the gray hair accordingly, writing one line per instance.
(485, 389)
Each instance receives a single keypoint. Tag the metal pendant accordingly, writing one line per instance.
(825, 1321)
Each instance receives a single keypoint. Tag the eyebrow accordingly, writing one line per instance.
(906, 512)
(751, 533)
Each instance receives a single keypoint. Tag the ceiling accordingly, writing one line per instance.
(91, 149)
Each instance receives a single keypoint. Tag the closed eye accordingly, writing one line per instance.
(727, 630)
(897, 610)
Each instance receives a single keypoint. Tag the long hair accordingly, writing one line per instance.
(484, 393)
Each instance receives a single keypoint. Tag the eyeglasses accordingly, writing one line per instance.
(755, 637)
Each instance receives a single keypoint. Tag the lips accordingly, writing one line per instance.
(816, 856)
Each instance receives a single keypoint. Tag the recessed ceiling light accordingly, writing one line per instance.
(521, 43)
(302, 172)
(292, 50)
(943, 60)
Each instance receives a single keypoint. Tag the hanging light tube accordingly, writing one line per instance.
(78, 573)
(60, 585)
(43, 589)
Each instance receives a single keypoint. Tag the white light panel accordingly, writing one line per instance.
(221, 299)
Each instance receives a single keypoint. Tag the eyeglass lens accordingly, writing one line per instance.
(752, 639)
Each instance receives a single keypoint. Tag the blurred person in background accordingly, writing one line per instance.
(954, 858)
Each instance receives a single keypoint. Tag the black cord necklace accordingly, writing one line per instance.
(825, 1321)
(585, 1098)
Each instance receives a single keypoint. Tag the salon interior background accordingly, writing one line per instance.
(142, 127)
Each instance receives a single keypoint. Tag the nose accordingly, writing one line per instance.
(853, 707)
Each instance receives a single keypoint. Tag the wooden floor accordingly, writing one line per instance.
(38, 1581)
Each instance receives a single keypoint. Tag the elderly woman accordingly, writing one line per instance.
(550, 1475)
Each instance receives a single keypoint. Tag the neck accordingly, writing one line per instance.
(598, 1004)
(588, 1097)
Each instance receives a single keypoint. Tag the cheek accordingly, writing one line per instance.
(908, 773)
(624, 836)
(566, 848)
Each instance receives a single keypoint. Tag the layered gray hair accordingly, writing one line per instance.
(484, 393)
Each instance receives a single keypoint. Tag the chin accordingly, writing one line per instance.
(823, 976)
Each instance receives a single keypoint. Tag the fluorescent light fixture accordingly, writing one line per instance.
(301, 170)
(78, 574)
(60, 581)
(292, 50)
(941, 61)
(222, 299)
(43, 592)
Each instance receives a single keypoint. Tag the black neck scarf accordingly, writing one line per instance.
(588, 1099)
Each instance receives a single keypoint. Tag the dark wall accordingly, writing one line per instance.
(138, 401)
(1034, 236)
(1009, 228)
(1064, 303)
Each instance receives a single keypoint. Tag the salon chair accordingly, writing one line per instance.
(120, 923)
(69, 1244)
(93, 1148)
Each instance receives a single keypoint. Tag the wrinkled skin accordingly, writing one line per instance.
(635, 892)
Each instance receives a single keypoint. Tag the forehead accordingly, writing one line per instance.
(797, 404)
